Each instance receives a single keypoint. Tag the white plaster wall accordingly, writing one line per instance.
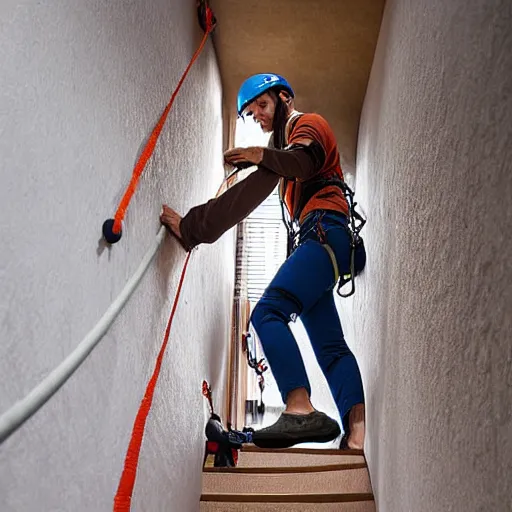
(431, 318)
(81, 86)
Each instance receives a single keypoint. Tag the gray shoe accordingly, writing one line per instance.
(290, 429)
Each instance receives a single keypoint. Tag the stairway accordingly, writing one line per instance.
(291, 480)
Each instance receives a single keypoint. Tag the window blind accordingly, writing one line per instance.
(261, 248)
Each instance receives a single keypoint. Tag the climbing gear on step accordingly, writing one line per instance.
(223, 444)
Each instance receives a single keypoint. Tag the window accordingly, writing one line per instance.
(261, 249)
(261, 243)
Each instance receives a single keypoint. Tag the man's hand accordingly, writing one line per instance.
(236, 156)
(171, 220)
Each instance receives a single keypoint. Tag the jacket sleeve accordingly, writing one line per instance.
(301, 159)
(207, 222)
(302, 162)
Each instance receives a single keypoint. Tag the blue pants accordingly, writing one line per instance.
(303, 287)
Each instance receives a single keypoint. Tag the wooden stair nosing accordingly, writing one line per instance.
(287, 498)
(304, 451)
(286, 469)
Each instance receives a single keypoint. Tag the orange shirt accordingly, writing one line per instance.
(315, 127)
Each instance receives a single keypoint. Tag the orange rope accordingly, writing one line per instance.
(153, 138)
(123, 496)
(124, 493)
(122, 499)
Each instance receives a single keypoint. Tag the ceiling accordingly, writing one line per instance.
(324, 48)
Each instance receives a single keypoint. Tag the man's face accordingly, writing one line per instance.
(262, 109)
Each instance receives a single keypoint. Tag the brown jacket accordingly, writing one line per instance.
(207, 222)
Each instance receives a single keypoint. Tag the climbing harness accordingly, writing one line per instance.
(357, 249)
(307, 191)
(356, 223)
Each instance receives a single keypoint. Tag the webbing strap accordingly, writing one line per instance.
(331, 254)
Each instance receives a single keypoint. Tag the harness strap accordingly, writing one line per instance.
(312, 187)
(349, 277)
(335, 267)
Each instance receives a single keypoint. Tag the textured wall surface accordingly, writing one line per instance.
(432, 313)
(81, 86)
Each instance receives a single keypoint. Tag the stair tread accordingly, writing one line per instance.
(288, 497)
(354, 481)
(286, 469)
(311, 451)
(349, 506)
(283, 458)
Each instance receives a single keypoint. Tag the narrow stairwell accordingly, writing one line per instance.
(291, 480)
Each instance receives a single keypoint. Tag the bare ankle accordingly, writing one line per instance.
(357, 414)
(356, 421)
(297, 402)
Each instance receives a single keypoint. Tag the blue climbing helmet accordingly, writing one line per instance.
(256, 85)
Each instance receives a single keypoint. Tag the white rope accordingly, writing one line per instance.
(22, 410)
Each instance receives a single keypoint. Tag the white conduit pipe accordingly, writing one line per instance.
(22, 410)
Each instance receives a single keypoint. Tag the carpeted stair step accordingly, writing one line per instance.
(290, 480)
(252, 456)
(287, 503)
(330, 478)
